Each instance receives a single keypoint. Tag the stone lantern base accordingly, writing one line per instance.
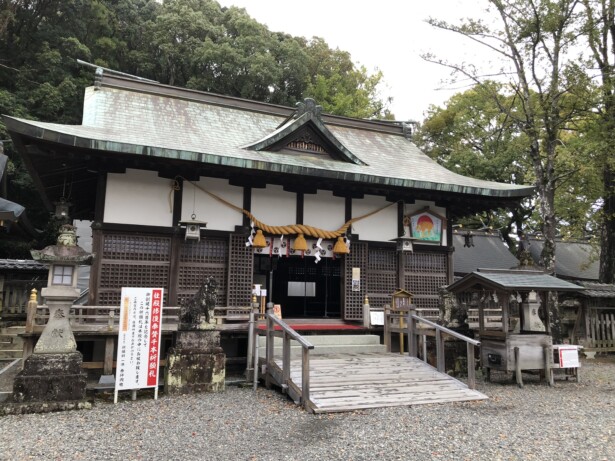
(50, 378)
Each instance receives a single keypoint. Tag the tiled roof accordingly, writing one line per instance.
(488, 251)
(190, 128)
(573, 260)
(22, 265)
(597, 290)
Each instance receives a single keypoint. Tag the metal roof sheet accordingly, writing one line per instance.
(488, 251)
(516, 280)
(573, 260)
(150, 124)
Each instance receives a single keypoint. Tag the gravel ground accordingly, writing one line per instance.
(568, 422)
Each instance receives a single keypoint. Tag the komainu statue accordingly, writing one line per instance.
(201, 305)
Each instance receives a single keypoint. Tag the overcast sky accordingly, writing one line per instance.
(389, 35)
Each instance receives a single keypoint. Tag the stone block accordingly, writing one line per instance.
(50, 378)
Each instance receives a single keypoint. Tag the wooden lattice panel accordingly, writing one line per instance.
(199, 260)
(424, 274)
(132, 260)
(240, 272)
(382, 276)
(353, 300)
(131, 247)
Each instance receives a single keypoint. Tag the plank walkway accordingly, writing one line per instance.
(346, 382)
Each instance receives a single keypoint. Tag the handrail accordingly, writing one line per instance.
(287, 334)
(413, 335)
(446, 330)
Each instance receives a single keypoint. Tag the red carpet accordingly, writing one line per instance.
(318, 327)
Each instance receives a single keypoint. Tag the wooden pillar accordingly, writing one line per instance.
(109, 352)
(504, 298)
(97, 238)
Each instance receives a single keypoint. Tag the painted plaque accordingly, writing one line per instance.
(426, 226)
(138, 353)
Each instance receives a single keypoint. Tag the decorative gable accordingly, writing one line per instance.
(305, 133)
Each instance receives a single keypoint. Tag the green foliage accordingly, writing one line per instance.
(189, 43)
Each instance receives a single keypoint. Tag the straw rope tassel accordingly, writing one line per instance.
(294, 228)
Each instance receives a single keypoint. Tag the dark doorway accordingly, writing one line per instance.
(302, 287)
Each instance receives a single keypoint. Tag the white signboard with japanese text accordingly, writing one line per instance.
(138, 354)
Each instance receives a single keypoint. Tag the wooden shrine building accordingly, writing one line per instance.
(151, 161)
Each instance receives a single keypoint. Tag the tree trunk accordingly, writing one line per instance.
(547, 256)
(607, 252)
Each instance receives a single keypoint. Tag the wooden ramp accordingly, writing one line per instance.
(346, 382)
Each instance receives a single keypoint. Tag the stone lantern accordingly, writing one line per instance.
(53, 372)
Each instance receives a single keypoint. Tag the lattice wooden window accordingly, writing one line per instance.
(240, 271)
(424, 274)
(132, 247)
(353, 300)
(382, 276)
(199, 260)
(132, 260)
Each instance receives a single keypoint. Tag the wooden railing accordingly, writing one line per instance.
(15, 294)
(93, 318)
(413, 332)
(600, 329)
(287, 334)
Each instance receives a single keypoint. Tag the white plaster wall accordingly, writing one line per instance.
(274, 206)
(418, 205)
(323, 210)
(217, 215)
(138, 197)
(380, 227)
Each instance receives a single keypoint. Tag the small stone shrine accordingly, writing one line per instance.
(53, 372)
(196, 362)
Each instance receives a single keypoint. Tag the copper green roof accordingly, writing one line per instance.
(152, 120)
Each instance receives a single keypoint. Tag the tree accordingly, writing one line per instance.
(599, 29)
(472, 136)
(534, 39)
(190, 43)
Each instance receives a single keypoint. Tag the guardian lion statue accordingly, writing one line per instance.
(201, 305)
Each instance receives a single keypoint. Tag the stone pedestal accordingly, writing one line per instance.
(50, 378)
(196, 363)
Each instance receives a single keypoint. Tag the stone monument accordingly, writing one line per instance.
(53, 372)
(196, 362)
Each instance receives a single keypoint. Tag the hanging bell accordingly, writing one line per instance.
(340, 247)
(300, 243)
(259, 240)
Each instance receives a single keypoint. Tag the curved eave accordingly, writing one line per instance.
(24, 128)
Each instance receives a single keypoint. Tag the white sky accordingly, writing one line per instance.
(389, 35)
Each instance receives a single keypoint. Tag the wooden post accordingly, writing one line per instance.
(252, 361)
(440, 352)
(269, 349)
(412, 337)
(548, 354)
(285, 360)
(518, 368)
(109, 350)
(305, 377)
(504, 300)
(471, 370)
(387, 333)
